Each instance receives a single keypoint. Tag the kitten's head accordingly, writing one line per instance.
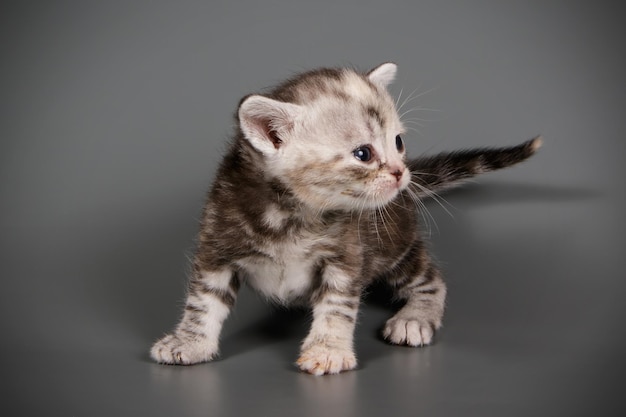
(332, 136)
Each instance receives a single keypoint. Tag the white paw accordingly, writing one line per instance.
(174, 349)
(321, 359)
(408, 332)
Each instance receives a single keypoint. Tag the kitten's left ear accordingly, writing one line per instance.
(383, 74)
(265, 122)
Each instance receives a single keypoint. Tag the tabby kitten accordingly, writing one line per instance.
(314, 201)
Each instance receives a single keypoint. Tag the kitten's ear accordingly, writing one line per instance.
(383, 74)
(265, 122)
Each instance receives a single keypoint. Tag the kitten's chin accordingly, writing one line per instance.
(352, 200)
(349, 204)
(386, 193)
(375, 201)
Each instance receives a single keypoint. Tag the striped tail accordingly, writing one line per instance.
(445, 170)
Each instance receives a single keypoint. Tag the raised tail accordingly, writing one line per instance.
(445, 170)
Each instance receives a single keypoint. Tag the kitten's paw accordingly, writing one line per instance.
(410, 332)
(321, 359)
(174, 349)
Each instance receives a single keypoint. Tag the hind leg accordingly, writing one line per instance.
(416, 322)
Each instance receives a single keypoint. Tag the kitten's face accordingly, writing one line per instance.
(338, 145)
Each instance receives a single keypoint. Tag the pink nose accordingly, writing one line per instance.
(397, 173)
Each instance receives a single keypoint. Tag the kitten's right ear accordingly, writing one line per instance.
(383, 74)
(266, 122)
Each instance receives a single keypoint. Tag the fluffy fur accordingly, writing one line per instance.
(314, 201)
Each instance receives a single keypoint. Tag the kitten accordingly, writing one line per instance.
(314, 201)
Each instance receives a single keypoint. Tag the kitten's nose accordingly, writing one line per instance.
(397, 173)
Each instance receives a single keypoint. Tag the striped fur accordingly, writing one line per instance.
(314, 201)
(448, 169)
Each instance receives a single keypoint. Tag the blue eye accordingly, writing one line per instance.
(399, 143)
(363, 153)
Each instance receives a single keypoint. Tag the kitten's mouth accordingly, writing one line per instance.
(396, 186)
(385, 195)
(390, 190)
(378, 195)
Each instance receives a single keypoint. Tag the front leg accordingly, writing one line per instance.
(415, 323)
(210, 299)
(328, 348)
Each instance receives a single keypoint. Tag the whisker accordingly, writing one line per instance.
(408, 98)
(438, 198)
(391, 219)
(412, 122)
(383, 211)
(411, 98)
(423, 210)
(362, 204)
(426, 109)
(412, 109)
(417, 119)
(414, 129)
(399, 96)
(375, 221)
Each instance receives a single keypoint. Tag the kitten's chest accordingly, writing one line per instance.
(284, 271)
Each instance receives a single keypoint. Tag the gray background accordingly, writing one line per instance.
(113, 118)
